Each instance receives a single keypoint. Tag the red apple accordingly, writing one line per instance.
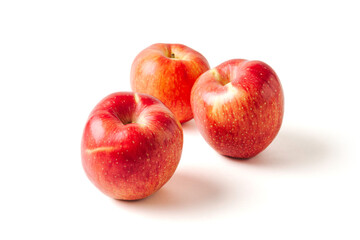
(168, 72)
(131, 145)
(238, 107)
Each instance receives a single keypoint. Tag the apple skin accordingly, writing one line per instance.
(168, 72)
(131, 145)
(238, 107)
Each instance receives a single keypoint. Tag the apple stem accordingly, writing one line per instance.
(172, 55)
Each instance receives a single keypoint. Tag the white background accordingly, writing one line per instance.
(59, 58)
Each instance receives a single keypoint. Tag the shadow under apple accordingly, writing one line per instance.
(183, 193)
(293, 149)
(190, 127)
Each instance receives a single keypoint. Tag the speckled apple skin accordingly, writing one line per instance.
(169, 79)
(133, 160)
(238, 107)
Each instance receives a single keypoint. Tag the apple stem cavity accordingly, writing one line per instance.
(172, 55)
(218, 78)
(128, 122)
(125, 120)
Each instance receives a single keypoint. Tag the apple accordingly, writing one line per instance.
(131, 145)
(168, 72)
(238, 107)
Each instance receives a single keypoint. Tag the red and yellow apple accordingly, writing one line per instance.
(168, 72)
(131, 145)
(238, 107)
